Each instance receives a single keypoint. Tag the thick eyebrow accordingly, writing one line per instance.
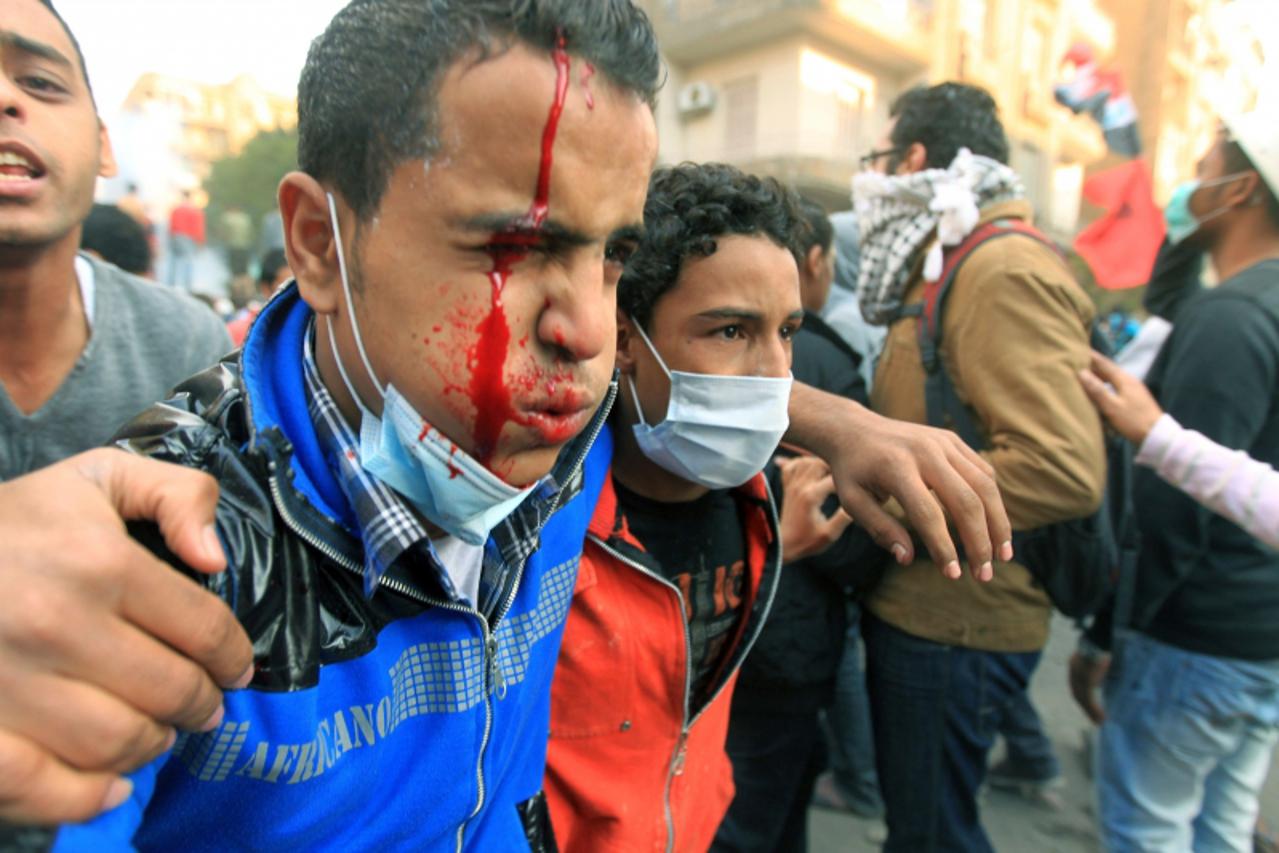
(633, 233)
(35, 48)
(551, 230)
(744, 314)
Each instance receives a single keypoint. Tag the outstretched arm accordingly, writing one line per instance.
(1229, 482)
(930, 472)
(103, 648)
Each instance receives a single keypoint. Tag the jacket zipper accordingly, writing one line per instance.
(676, 766)
(494, 677)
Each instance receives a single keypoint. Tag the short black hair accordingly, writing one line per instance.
(117, 238)
(272, 261)
(814, 227)
(79, 54)
(945, 118)
(1237, 160)
(367, 96)
(688, 207)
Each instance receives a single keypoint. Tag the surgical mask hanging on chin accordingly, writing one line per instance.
(719, 431)
(1179, 219)
(444, 483)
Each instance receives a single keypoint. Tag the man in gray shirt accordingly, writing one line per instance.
(140, 341)
(83, 345)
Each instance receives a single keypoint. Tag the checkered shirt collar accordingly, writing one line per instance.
(388, 527)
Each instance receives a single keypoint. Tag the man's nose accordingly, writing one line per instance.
(580, 317)
(775, 358)
(12, 101)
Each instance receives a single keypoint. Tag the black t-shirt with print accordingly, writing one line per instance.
(700, 547)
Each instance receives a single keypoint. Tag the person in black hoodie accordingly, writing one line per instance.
(774, 736)
(1192, 698)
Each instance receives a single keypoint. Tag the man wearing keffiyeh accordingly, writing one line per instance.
(901, 215)
(947, 663)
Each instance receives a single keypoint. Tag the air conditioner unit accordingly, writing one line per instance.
(696, 99)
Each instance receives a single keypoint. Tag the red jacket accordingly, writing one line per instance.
(630, 766)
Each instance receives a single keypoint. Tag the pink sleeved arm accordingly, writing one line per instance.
(1229, 482)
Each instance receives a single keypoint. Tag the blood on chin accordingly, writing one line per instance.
(525, 466)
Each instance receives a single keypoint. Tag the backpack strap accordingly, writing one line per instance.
(945, 409)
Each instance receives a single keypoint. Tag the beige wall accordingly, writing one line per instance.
(818, 117)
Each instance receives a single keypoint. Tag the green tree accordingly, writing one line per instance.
(249, 179)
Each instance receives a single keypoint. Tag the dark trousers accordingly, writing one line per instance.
(936, 710)
(1030, 752)
(776, 759)
(852, 750)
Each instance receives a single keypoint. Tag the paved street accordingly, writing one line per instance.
(1014, 824)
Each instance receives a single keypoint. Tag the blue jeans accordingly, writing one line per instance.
(936, 710)
(852, 749)
(1185, 747)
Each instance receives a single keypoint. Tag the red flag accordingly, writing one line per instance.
(1121, 245)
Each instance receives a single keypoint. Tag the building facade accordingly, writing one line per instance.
(203, 123)
(799, 89)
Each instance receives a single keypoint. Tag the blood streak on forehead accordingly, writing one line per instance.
(538, 212)
(487, 356)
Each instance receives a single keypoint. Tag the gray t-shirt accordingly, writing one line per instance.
(144, 339)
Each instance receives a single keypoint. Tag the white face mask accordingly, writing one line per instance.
(448, 486)
(719, 431)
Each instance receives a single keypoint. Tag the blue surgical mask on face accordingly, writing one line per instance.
(719, 431)
(445, 484)
(1178, 217)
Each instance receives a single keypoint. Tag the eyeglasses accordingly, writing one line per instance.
(868, 161)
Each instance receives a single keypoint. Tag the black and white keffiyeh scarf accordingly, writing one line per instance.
(901, 215)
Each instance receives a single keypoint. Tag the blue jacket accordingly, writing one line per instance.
(400, 722)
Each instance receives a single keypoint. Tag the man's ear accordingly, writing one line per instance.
(914, 160)
(309, 241)
(626, 339)
(1247, 190)
(107, 167)
(814, 264)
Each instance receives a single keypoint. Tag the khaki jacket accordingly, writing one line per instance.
(1015, 334)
